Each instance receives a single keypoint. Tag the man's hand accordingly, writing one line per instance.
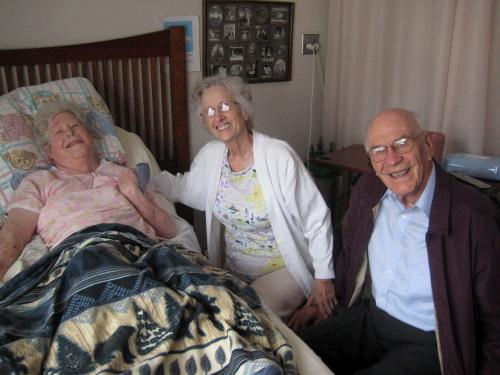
(304, 316)
(323, 295)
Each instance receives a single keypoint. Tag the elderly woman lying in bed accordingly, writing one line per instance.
(77, 192)
(110, 298)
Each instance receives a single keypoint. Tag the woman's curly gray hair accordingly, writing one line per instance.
(235, 87)
(47, 111)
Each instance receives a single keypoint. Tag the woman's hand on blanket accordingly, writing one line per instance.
(305, 316)
(323, 295)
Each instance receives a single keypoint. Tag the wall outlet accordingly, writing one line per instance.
(310, 44)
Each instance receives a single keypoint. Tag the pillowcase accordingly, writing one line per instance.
(19, 153)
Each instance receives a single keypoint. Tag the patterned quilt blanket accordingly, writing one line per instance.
(109, 300)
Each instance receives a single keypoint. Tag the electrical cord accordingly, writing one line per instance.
(316, 53)
(315, 49)
(310, 116)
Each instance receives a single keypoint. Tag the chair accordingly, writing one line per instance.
(437, 140)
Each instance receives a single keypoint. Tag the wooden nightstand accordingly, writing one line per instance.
(347, 163)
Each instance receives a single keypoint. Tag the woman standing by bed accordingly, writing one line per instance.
(277, 227)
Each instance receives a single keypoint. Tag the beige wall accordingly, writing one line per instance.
(283, 108)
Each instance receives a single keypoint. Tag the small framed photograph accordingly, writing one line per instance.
(279, 14)
(261, 15)
(252, 70)
(280, 67)
(236, 53)
(230, 13)
(252, 50)
(245, 16)
(214, 15)
(262, 32)
(214, 35)
(217, 52)
(246, 34)
(235, 70)
(267, 71)
(218, 69)
(267, 54)
(279, 32)
(250, 39)
(282, 50)
(229, 31)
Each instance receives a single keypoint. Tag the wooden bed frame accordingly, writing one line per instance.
(142, 79)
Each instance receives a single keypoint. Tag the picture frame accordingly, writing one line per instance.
(251, 39)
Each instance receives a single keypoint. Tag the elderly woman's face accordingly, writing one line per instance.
(226, 125)
(68, 138)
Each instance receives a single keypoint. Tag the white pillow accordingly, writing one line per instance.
(135, 150)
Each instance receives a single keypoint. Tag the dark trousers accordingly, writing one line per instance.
(364, 339)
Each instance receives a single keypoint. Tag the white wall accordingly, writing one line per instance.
(282, 108)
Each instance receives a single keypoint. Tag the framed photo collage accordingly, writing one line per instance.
(251, 39)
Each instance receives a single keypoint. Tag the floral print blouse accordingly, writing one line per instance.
(251, 249)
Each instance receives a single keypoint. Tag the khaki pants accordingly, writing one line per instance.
(280, 292)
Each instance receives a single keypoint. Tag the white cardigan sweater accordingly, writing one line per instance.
(298, 214)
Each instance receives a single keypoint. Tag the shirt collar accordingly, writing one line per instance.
(424, 202)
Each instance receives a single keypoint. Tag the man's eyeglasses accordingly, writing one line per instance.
(222, 107)
(400, 146)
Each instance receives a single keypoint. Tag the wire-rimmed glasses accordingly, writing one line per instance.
(400, 146)
(223, 107)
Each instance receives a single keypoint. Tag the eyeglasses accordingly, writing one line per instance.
(222, 107)
(400, 146)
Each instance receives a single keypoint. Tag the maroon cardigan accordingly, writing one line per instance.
(463, 242)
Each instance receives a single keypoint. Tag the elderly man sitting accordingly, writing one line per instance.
(418, 274)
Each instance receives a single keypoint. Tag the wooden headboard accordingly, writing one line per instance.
(141, 78)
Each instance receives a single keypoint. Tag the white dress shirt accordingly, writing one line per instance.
(399, 266)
